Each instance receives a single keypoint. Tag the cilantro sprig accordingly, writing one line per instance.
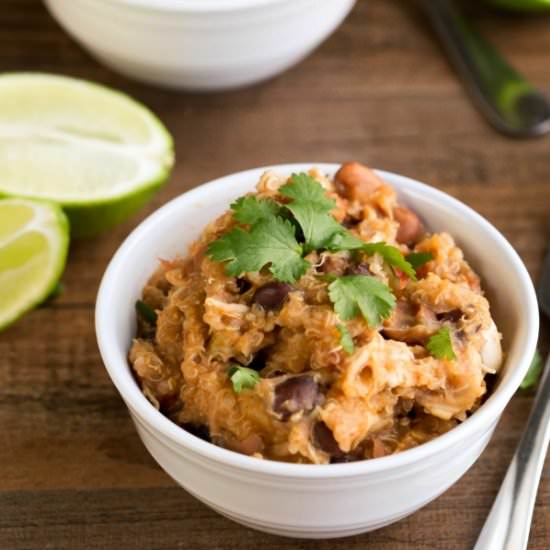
(272, 237)
(392, 255)
(311, 208)
(251, 209)
(346, 340)
(354, 294)
(269, 241)
(242, 378)
(418, 259)
(146, 312)
(440, 345)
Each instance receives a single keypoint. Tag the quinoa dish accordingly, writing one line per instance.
(316, 321)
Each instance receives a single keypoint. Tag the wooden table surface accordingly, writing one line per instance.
(73, 473)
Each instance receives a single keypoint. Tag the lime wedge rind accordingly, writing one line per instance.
(95, 151)
(51, 223)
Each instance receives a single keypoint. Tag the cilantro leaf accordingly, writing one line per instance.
(346, 340)
(353, 294)
(440, 344)
(344, 240)
(392, 255)
(311, 207)
(270, 241)
(534, 372)
(242, 377)
(251, 210)
(418, 259)
(146, 312)
(304, 188)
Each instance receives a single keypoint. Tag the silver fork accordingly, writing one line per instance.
(508, 524)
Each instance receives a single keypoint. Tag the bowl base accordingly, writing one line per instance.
(199, 80)
(313, 532)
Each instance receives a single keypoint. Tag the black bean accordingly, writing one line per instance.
(259, 360)
(343, 458)
(454, 315)
(359, 269)
(323, 438)
(461, 335)
(299, 393)
(491, 381)
(243, 285)
(198, 430)
(169, 404)
(348, 222)
(272, 295)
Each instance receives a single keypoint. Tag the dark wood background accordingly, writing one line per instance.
(73, 473)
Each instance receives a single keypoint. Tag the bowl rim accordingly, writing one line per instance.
(199, 6)
(117, 366)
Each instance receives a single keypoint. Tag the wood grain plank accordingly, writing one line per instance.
(73, 471)
(111, 518)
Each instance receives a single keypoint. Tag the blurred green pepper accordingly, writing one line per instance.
(523, 5)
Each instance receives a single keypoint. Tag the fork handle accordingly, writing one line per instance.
(508, 524)
(503, 95)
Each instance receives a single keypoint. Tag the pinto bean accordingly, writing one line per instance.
(378, 448)
(410, 227)
(248, 446)
(272, 295)
(299, 393)
(355, 181)
(323, 438)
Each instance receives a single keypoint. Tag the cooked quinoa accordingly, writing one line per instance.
(276, 370)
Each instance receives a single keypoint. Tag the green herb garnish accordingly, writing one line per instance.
(392, 255)
(534, 372)
(440, 345)
(311, 208)
(146, 312)
(354, 294)
(243, 377)
(270, 241)
(418, 259)
(346, 340)
(251, 209)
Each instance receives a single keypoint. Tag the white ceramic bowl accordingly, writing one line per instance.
(200, 44)
(316, 501)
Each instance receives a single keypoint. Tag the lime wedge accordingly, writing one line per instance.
(96, 152)
(34, 237)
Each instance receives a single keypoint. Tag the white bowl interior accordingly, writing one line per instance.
(170, 230)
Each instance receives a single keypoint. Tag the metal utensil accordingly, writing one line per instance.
(508, 101)
(508, 524)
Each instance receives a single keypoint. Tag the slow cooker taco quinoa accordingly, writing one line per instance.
(316, 321)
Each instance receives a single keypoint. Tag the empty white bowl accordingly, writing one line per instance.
(301, 500)
(200, 44)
